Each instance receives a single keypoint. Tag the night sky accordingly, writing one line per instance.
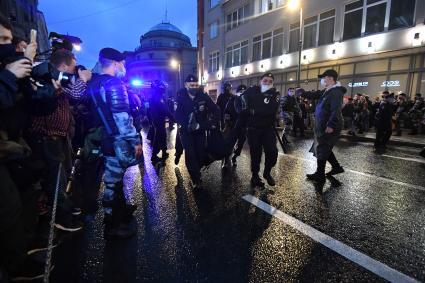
(115, 23)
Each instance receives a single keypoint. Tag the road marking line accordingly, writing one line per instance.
(416, 187)
(405, 158)
(380, 269)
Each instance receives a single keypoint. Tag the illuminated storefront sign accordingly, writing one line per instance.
(390, 83)
(358, 84)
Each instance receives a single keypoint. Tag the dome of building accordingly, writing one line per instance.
(165, 27)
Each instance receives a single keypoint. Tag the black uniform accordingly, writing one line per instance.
(259, 115)
(222, 101)
(194, 117)
(383, 123)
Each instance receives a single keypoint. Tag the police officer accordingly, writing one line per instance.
(259, 108)
(328, 125)
(290, 109)
(195, 114)
(120, 143)
(401, 112)
(383, 122)
(234, 108)
(158, 113)
(416, 113)
(223, 99)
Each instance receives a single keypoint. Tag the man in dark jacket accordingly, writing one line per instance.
(348, 115)
(259, 109)
(328, 124)
(290, 112)
(234, 108)
(383, 122)
(222, 101)
(195, 114)
(401, 112)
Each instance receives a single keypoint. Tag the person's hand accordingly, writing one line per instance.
(85, 75)
(21, 68)
(138, 151)
(31, 51)
(329, 130)
(57, 84)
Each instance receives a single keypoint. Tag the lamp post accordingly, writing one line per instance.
(176, 65)
(294, 4)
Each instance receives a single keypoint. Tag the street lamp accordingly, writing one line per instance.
(176, 65)
(293, 5)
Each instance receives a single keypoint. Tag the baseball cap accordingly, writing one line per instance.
(329, 73)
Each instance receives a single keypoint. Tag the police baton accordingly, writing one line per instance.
(284, 148)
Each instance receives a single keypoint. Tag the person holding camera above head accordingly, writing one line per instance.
(259, 108)
(329, 123)
(17, 180)
(196, 113)
(120, 144)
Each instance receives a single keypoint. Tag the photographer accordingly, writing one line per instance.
(49, 134)
(15, 183)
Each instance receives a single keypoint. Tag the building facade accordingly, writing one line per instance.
(24, 16)
(375, 45)
(161, 45)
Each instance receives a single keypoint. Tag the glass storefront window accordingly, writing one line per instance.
(400, 63)
(375, 18)
(372, 66)
(292, 76)
(402, 12)
(396, 83)
(312, 74)
(371, 86)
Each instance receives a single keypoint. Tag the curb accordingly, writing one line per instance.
(391, 142)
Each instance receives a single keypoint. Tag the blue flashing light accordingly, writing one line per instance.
(136, 82)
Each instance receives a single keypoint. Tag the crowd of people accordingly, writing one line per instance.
(64, 130)
(360, 113)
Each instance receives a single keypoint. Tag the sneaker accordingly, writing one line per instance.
(269, 179)
(317, 177)
(69, 226)
(335, 171)
(256, 181)
(76, 211)
(29, 271)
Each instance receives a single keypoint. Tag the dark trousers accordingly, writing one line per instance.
(160, 139)
(178, 145)
(194, 150)
(383, 135)
(54, 151)
(259, 140)
(12, 234)
(240, 142)
(298, 124)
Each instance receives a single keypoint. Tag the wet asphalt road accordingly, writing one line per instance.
(213, 235)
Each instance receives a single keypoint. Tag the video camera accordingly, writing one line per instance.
(43, 73)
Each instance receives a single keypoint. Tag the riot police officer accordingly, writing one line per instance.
(158, 113)
(383, 122)
(259, 108)
(195, 114)
(416, 113)
(222, 101)
(290, 109)
(401, 112)
(120, 143)
(233, 109)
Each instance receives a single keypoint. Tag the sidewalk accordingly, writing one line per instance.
(404, 140)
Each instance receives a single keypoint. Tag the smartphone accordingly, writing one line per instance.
(33, 36)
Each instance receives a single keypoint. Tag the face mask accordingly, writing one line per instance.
(193, 90)
(265, 88)
(7, 51)
(322, 82)
(121, 72)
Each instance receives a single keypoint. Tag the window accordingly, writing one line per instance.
(213, 62)
(214, 29)
(268, 5)
(277, 42)
(310, 32)
(401, 14)
(237, 54)
(268, 45)
(237, 17)
(214, 3)
(294, 37)
(353, 20)
(326, 27)
(375, 16)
